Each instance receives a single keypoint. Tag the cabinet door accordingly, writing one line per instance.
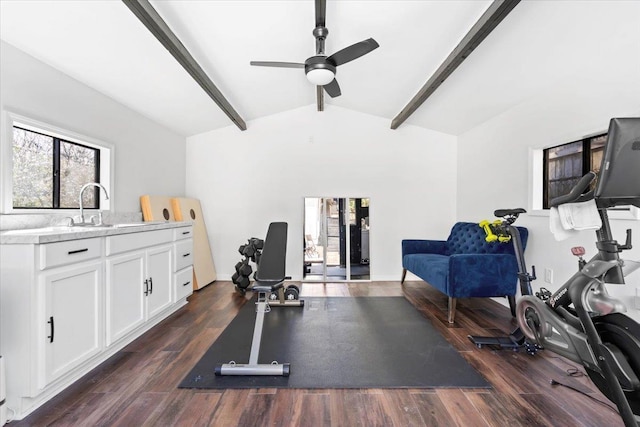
(71, 331)
(125, 299)
(159, 276)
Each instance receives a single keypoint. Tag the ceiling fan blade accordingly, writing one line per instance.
(277, 64)
(352, 52)
(333, 88)
(321, 12)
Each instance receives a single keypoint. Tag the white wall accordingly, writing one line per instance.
(149, 159)
(245, 180)
(494, 158)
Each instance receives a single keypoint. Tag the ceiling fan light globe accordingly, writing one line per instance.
(320, 76)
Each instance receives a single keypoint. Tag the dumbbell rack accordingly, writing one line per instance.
(252, 251)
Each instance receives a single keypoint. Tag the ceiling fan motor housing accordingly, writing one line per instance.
(318, 62)
(319, 70)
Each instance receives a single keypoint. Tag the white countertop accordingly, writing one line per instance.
(62, 233)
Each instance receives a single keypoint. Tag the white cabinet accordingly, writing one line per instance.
(125, 305)
(184, 283)
(139, 281)
(70, 329)
(183, 267)
(69, 305)
(159, 289)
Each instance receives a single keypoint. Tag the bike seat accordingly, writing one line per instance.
(501, 213)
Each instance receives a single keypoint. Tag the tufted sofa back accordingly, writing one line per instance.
(469, 238)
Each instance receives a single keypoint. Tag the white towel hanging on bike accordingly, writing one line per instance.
(567, 219)
(580, 216)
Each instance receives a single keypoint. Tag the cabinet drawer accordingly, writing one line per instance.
(132, 241)
(184, 283)
(72, 251)
(183, 254)
(182, 233)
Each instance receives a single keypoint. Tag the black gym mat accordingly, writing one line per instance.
(339, 342)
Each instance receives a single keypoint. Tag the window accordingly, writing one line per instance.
(44, 168)
(48, 172)
(564, 165)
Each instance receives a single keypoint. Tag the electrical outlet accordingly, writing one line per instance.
(548, 275)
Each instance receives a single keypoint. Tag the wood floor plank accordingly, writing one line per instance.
(432, 409)
(199, 410)
(138, 385)
(402, 409)
(460, 408)
(169, 411)
(357, 407)
(230, 407)
(310, 409)
(504, 410)
(140, 408)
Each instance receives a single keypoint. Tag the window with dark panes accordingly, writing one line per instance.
(48, 172)
(565, 164)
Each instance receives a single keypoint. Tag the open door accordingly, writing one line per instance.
(336, 239)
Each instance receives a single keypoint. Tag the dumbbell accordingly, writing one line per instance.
(235, 277)
(249, 251)
(245, 269)
(238, 265)
(486, 225)
(242, 282)
(258, 243)
(292, 293)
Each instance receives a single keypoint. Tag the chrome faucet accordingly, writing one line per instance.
(106, 196)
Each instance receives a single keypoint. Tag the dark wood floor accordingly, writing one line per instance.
(137, 387)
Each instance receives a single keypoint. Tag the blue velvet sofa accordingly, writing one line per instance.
(465, 265)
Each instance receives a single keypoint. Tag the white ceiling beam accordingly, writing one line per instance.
(154, 23)
(489, 20)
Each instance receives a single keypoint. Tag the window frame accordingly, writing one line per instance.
(537, 177)
(586, 155)
(106, 156)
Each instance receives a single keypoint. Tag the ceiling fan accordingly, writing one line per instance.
(321, 69)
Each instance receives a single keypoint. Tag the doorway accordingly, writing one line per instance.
(336, 239)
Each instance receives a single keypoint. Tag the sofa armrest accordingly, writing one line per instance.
(423, 247)
(482, 275)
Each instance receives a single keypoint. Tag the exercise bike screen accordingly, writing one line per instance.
(619, 179)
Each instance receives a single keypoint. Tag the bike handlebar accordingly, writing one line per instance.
(575, 195)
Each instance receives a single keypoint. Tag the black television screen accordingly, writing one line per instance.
(619, 179)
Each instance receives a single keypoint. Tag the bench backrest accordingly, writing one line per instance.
(469, 238)
(272, 265)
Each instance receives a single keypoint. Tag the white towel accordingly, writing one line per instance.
(555, 225)
(580, 216)
(566, 219)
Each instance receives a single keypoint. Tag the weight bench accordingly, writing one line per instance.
(269, 287)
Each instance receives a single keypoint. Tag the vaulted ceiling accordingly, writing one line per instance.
(103, 45)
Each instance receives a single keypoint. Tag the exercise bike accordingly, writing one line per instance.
(581, 321)
(503, 231)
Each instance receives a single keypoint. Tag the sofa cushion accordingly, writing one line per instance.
(482, 275)
(431, 268)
